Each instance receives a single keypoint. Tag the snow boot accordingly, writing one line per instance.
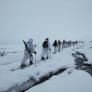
(42, 58)
(23, 65)
(31, 63)
(47, 58)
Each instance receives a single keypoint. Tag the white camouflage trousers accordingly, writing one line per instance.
(45, 52)
(59, 48)
(26, 56)
(55, 49)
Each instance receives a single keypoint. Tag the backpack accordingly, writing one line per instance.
(55, 43)
(59, 42)
(45, 44)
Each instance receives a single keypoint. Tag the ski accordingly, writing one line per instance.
(20, 68)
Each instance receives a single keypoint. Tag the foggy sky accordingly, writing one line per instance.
(56, 19)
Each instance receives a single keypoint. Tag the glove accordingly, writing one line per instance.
(35, 52)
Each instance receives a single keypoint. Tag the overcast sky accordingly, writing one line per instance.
(56, 19)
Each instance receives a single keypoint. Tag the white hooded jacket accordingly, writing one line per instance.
(30, 45)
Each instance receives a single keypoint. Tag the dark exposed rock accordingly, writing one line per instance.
(33, 82)
(81, 62)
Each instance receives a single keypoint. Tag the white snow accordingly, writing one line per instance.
(78, 81)
(56, 19)
(74, 82)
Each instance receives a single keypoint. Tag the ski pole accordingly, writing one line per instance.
(35, 60)
(50, 54)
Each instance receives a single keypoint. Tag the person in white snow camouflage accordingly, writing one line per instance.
(46, 49)
(26, 53)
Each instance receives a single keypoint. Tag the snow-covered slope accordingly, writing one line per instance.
(74, 82)
(78, 81)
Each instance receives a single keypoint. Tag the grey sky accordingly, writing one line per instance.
(57, 19)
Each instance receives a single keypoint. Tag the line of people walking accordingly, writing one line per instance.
(46, 49)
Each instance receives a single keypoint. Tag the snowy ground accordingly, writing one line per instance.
(77, 81)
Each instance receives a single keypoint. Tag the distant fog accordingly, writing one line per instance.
(56, 19)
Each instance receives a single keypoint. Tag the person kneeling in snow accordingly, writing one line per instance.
(28, 55)
(46, 48)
